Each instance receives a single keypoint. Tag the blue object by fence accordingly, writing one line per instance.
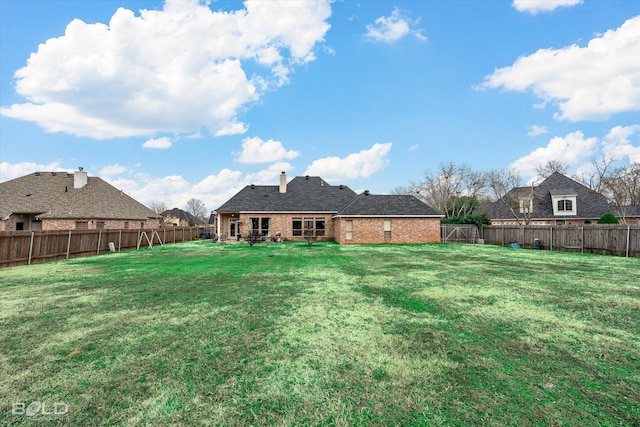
(514, 245)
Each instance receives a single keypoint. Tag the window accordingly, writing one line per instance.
(260, 226)
(100, 225)
(297, 227)
(308, 227)
(19, 226)
(565, 205)
(265, 226)
(387, 229)
(82, 225)
(348, 230)
(526, 205)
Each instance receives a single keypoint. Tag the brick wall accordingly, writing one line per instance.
(403, 230)
(283, 223)
(109, 224)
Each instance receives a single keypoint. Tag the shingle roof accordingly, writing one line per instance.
(182, 216)
(589, 204)
(367, 204)
(304, 194)
(629, 211)
(51, 195)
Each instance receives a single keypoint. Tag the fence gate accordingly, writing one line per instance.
(459, 233)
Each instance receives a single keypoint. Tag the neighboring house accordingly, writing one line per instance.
(65, 201)
(556, 200)
(310, 207)
(628, 215)
(178, 217)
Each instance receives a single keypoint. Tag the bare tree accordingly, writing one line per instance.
(196, 207)
(596, 176)
(158, 207)
(452, 190)
(505, 186)
(623, 188)
(552, 166)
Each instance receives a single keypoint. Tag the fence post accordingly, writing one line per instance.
(99, 238)
(551, 239)
(628, 238)
(582, 239)
(30, 248)
(119, 240)
(69, 244)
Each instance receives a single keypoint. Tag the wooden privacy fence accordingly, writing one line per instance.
(459, 233)
(29, 247)
(594, 238)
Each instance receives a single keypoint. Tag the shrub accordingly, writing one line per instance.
(478, 220)
(608, 218)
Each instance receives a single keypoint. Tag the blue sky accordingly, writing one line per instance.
(180, 99)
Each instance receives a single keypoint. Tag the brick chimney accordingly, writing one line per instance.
(283, 182)
(79, 178)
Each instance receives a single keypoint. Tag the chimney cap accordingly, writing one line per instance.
(80, 168)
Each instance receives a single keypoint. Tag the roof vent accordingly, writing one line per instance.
(341, 187)
(37, 173)
(253, 186)
(306, 177)
(53, 174)
(366, 192)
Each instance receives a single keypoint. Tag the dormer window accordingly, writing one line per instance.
(564, 202)
(565, 205)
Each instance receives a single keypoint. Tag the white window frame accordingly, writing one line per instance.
(560, 201)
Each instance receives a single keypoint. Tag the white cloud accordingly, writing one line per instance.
(390, 29)
(115, 169)
(10, 171)
(213, 190)
(160, 143)
(414, 147)
(179, 69)
(571, 149)
(355, 165)
(586, 83)
(537, 130)
(535, 6)
(617, 143)
(255, 150)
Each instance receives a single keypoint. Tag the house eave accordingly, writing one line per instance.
(388, 216)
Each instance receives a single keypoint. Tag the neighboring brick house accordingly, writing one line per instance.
(629, 215)
(308, 205)
(556, 200)
(65, 201)
(177, 217)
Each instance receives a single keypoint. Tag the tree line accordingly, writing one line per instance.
(457, 190)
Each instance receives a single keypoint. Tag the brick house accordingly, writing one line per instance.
(178, 218)
(308, 205)
(65, 201)
(629, 214)
(557, 200)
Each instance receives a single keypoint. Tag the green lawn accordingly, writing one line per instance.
(291, 334)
